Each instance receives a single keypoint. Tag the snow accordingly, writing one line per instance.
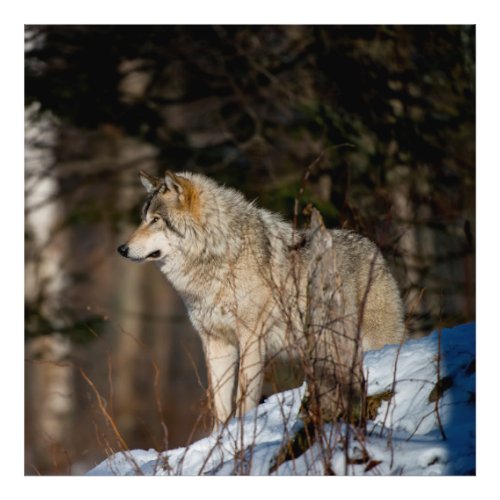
(425, 429)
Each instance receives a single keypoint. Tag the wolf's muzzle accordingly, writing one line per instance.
(123, 250)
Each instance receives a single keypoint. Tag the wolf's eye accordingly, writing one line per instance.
(154, 219)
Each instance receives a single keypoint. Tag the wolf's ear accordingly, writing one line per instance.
(185, 191)
(149, 182)
(174, 183)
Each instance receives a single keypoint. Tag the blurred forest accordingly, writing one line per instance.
(383, 117)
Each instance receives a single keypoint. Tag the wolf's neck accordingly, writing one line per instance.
(194, 278)
(258, 238)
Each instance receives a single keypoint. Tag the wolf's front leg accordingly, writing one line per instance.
(222, 361)
(251, 375)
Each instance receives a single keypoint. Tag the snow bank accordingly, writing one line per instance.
(426, 428)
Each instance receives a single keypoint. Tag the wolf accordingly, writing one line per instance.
(244, 275)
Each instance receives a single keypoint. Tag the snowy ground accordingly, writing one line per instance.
(405, 438)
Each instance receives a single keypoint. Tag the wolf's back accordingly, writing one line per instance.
(367, 280)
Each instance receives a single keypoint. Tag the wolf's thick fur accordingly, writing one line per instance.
(243, 272)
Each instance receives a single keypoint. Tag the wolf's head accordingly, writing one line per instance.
(170, 204)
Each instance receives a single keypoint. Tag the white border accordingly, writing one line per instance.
(256, 12)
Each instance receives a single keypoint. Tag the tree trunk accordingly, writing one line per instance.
(335, 375)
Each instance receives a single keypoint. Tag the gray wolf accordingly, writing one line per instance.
(242, 272)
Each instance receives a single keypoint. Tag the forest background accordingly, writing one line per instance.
(382, 116)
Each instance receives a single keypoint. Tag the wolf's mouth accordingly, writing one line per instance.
(153, 255)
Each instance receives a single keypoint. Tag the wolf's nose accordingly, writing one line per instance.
(123, 250)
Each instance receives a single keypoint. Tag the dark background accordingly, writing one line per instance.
(384, 116)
